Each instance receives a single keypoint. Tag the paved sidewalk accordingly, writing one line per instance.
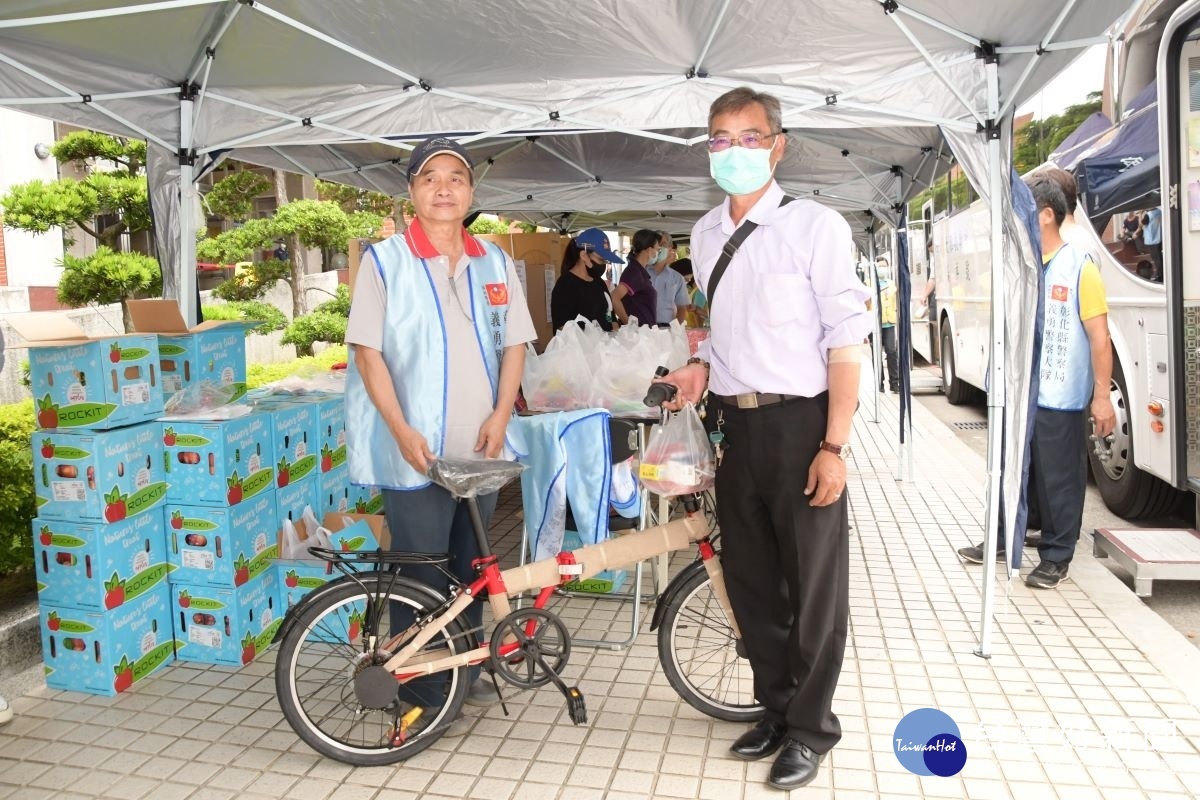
(1086, 695)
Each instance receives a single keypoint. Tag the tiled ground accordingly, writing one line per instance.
(1069, 706)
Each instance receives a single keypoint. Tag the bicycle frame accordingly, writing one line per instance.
(545, 576)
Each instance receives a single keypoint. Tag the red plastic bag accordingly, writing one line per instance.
(679, 458)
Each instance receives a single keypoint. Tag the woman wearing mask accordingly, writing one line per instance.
(634, 296)
(580, 290)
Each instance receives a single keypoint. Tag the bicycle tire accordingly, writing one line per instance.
(318, 659)
(698, 650)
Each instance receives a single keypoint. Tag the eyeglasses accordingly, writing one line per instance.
(750, 141)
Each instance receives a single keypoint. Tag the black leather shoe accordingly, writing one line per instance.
(760, 741)
(795, 766)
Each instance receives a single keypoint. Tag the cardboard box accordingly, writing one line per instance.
(606, 582)
(92, 383)
(218, 463)
(98, 476)
(294, 424)
(222, 546)
(331, 430)
(106, 652)
(541, 253)
(298, 577)
(216, 625)
(337, 494)
(99, 566)
(213, 350)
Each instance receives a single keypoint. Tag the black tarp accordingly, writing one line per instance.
(1121, 172)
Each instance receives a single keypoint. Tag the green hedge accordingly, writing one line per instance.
(17, 505)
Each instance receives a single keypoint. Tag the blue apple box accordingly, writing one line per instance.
(214, 350)
(221, 546)
(337, 494)
(220, 625)
(107, 652)
(99, 566)
(218, 462)
(295, 430)
(89, 383)
(98, 476)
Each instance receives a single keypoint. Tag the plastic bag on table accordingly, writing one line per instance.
(560, 377)
(625, 366)
(679, 458)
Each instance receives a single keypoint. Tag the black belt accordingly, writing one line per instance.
(754, 399)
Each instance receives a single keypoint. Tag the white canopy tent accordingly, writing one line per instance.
(575, 109)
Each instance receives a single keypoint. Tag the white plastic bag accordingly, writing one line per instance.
(559, 379)
(679, 458)
(295, 546)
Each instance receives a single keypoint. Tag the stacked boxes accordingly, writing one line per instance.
(99, 547)
(221, 518)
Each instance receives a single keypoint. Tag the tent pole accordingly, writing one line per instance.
(996, 365)
(188, 294)
(877, 337)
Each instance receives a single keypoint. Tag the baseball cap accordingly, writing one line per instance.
(595, 240)
(436, 146)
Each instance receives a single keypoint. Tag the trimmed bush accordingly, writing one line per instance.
(17, 505)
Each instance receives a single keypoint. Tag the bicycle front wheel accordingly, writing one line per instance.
(698, 650)
(335, 693)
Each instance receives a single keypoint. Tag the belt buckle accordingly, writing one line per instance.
(748, 400)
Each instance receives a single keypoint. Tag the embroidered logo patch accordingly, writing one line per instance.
(497, 294)
(1056, 293)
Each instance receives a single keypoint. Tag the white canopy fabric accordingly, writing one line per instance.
(575, 109)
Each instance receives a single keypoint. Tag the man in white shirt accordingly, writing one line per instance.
(437, 330)
(669, 285)
(782, 362)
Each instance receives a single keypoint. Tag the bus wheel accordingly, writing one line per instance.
(1127, 491)
(958, 392)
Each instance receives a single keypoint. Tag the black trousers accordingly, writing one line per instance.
(891, 356)
(431, 520)
(1059, 479)
(786, 563)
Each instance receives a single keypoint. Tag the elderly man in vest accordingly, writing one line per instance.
(437, 330)
(1075, 371)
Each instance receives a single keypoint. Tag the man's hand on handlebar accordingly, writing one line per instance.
(691, 381)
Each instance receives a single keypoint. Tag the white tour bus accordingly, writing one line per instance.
(1154, 454)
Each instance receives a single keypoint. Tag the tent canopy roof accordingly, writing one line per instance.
(619, 93)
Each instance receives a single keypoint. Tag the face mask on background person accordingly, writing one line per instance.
(741, 170)
(660, 255)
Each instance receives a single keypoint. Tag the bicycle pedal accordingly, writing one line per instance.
(576, 706)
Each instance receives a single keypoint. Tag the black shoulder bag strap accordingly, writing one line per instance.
(731, 248)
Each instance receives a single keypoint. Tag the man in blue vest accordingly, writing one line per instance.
(1076, 367)
(437, 331)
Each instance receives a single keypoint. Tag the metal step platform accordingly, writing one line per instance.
(1150, 554)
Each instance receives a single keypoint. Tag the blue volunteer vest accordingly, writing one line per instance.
(414, 349)
(1066, 365)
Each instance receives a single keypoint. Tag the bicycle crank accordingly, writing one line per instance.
(529, 646)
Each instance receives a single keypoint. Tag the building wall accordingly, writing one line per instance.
(26, 259)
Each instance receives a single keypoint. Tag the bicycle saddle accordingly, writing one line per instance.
(469, 477)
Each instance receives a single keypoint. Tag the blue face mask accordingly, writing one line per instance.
(741, 170)
(659, 257)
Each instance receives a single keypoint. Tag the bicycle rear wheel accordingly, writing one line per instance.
(335, 693)
(698, 650)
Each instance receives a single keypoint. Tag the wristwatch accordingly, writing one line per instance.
(842, 451)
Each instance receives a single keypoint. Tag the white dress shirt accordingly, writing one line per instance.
(787, 298)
